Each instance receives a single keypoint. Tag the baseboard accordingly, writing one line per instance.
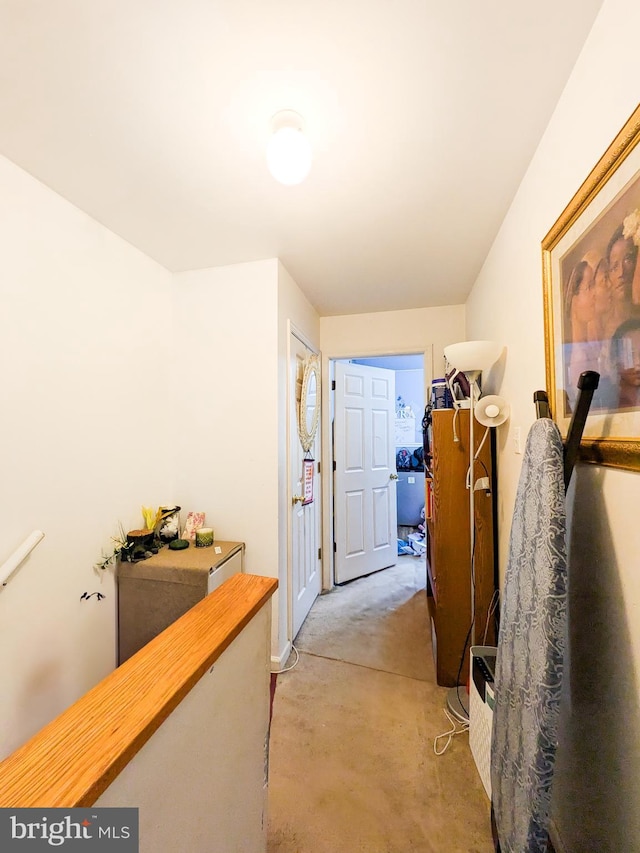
(278, 662)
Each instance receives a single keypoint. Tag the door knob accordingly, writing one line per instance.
(297, 499)
(393, 476)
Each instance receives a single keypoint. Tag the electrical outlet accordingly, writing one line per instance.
(517, 441)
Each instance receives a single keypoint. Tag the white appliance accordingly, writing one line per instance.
(221, 572)
(481, 704)
(410, 495)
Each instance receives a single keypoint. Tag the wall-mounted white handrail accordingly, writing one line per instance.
(11, 563)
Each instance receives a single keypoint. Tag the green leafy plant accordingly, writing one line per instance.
(121, 549)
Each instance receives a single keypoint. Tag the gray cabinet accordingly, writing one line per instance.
(155, 592)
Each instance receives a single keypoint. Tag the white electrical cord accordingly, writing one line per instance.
(476, 458)
(481, 445)
(288, 668)
(448, 380)
(493, 604)
(449, 734)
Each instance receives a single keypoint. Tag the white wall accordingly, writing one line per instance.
(123, 385)
(394, 332)
(83, 328)
(227, 393)
(231, 384)
(598, 780)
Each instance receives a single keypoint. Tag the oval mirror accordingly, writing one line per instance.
(309, 410)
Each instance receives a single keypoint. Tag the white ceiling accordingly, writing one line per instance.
(153, 115)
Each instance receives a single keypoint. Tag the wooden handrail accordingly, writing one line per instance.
(73, 759)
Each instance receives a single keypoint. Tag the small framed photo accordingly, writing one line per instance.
(591, 274)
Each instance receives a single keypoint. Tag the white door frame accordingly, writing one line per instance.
(328, 566)
(294, 331)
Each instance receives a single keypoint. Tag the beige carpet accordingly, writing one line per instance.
(352, 766)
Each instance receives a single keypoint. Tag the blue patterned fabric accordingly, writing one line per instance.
(531, 644)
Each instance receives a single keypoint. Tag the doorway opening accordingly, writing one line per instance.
(404, 483)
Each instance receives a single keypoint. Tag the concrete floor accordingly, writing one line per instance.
(352, 765)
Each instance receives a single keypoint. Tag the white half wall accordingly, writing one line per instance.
(83, 328)
(200, 781)
(597, 784)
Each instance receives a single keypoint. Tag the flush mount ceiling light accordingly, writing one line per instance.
(288, 151)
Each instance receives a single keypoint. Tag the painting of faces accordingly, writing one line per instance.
(601, 305)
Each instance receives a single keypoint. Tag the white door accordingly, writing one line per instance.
(365, 476)
(304, 555)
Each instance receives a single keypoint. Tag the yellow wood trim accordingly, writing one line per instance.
(73, 759)
(621, 452)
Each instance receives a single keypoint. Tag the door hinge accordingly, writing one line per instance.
(333, 384)
(334, 548)
(319, 553)
(334, 464)
(318, 467)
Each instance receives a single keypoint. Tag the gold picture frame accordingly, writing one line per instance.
(309, 406)
(591, 282)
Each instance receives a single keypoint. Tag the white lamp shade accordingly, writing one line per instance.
(492, 411)
(469, 356)
(289, 156)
